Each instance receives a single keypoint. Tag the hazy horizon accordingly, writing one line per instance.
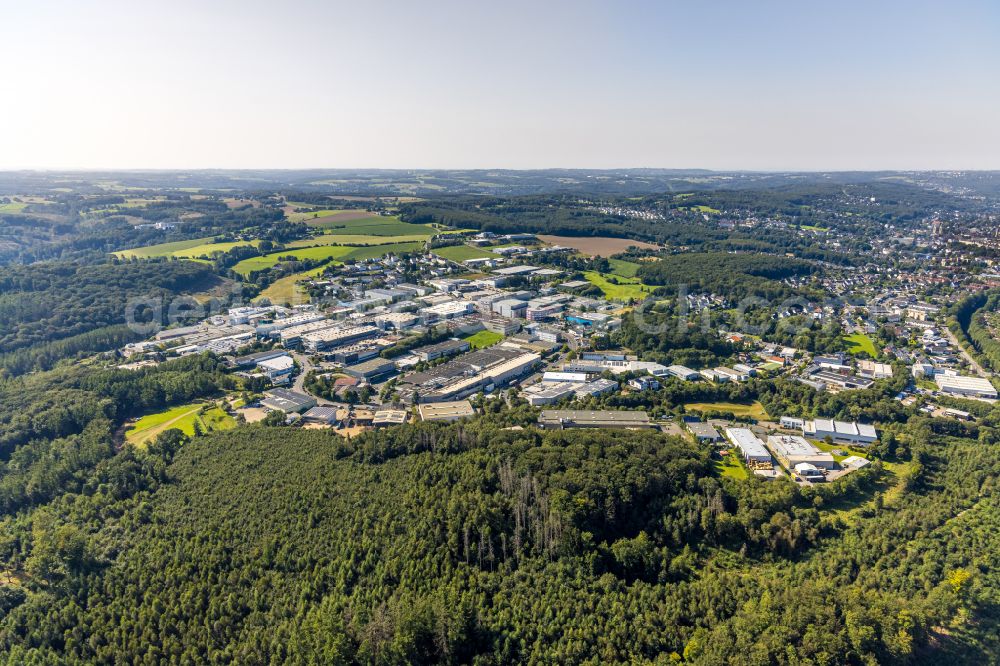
(769, 87)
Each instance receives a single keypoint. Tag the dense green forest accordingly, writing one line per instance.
(471, 544)
(969, 323)
(55, 426)
(52, 310)
(734, 276)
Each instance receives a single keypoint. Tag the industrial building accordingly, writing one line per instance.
(447, 310)
(975, 387)
(752, 449)
(446, 411)
(330, 338)
(481, 370)
(322, 415)
(858, 434)
(384, 418)
(550, 393)
(511, 308)
(559, 419)
(681, 372)
(873, 370)
(287, 400)
(553, 376)
(596, 387)
(704, 432)
(791, 450)
(442, 350)
(254, 359)
(277, 368)
(292, 336)
(371, 369)
(791, 423)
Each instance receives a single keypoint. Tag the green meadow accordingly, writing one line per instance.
(185, 249)
(627, 289)
(460, 253)
(623, 268)
(484, 339)
(323, 252)
(208, 416)
(859, 342)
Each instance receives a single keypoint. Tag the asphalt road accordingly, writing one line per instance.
(298, 384)
(982, 372)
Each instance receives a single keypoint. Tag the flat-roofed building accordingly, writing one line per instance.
(976, 387)
(703, 432)
(681, 372)
(255, 359)
(277, 366)
(323, 415)
(371, 369)
(860, 434)
(559, 419)
(396, 320)
(791, 423)
(287, 400)
(733, 374)
(548, 394)
(448, 310)
(489, 378)
(596, 387)
(752, 449)
(515, 270)
(292, 335)
(873, 370)
(791, 450)
(714, 376)
(271, 328)
(442, 349)
(553, 376)
(389, 417)
(510, 307)
(446, 411)
(329, 338)
(841, 381)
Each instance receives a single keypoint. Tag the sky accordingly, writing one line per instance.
(749, 85)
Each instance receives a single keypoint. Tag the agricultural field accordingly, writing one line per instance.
(623, 268)
(859, 342)
(208, 416)
(355, 239)
(597, 246)
(208, 249)
(185, 249)
(286, 290)
(753, 410)
(484, 339)
(320, 253)
(13, 207)
(378, 226)
(323, 252)
(162, 249)
(460, 253)
(627, 289)
(371, 252)
(312, 216)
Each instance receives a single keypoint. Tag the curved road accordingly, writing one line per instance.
(299, 383)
